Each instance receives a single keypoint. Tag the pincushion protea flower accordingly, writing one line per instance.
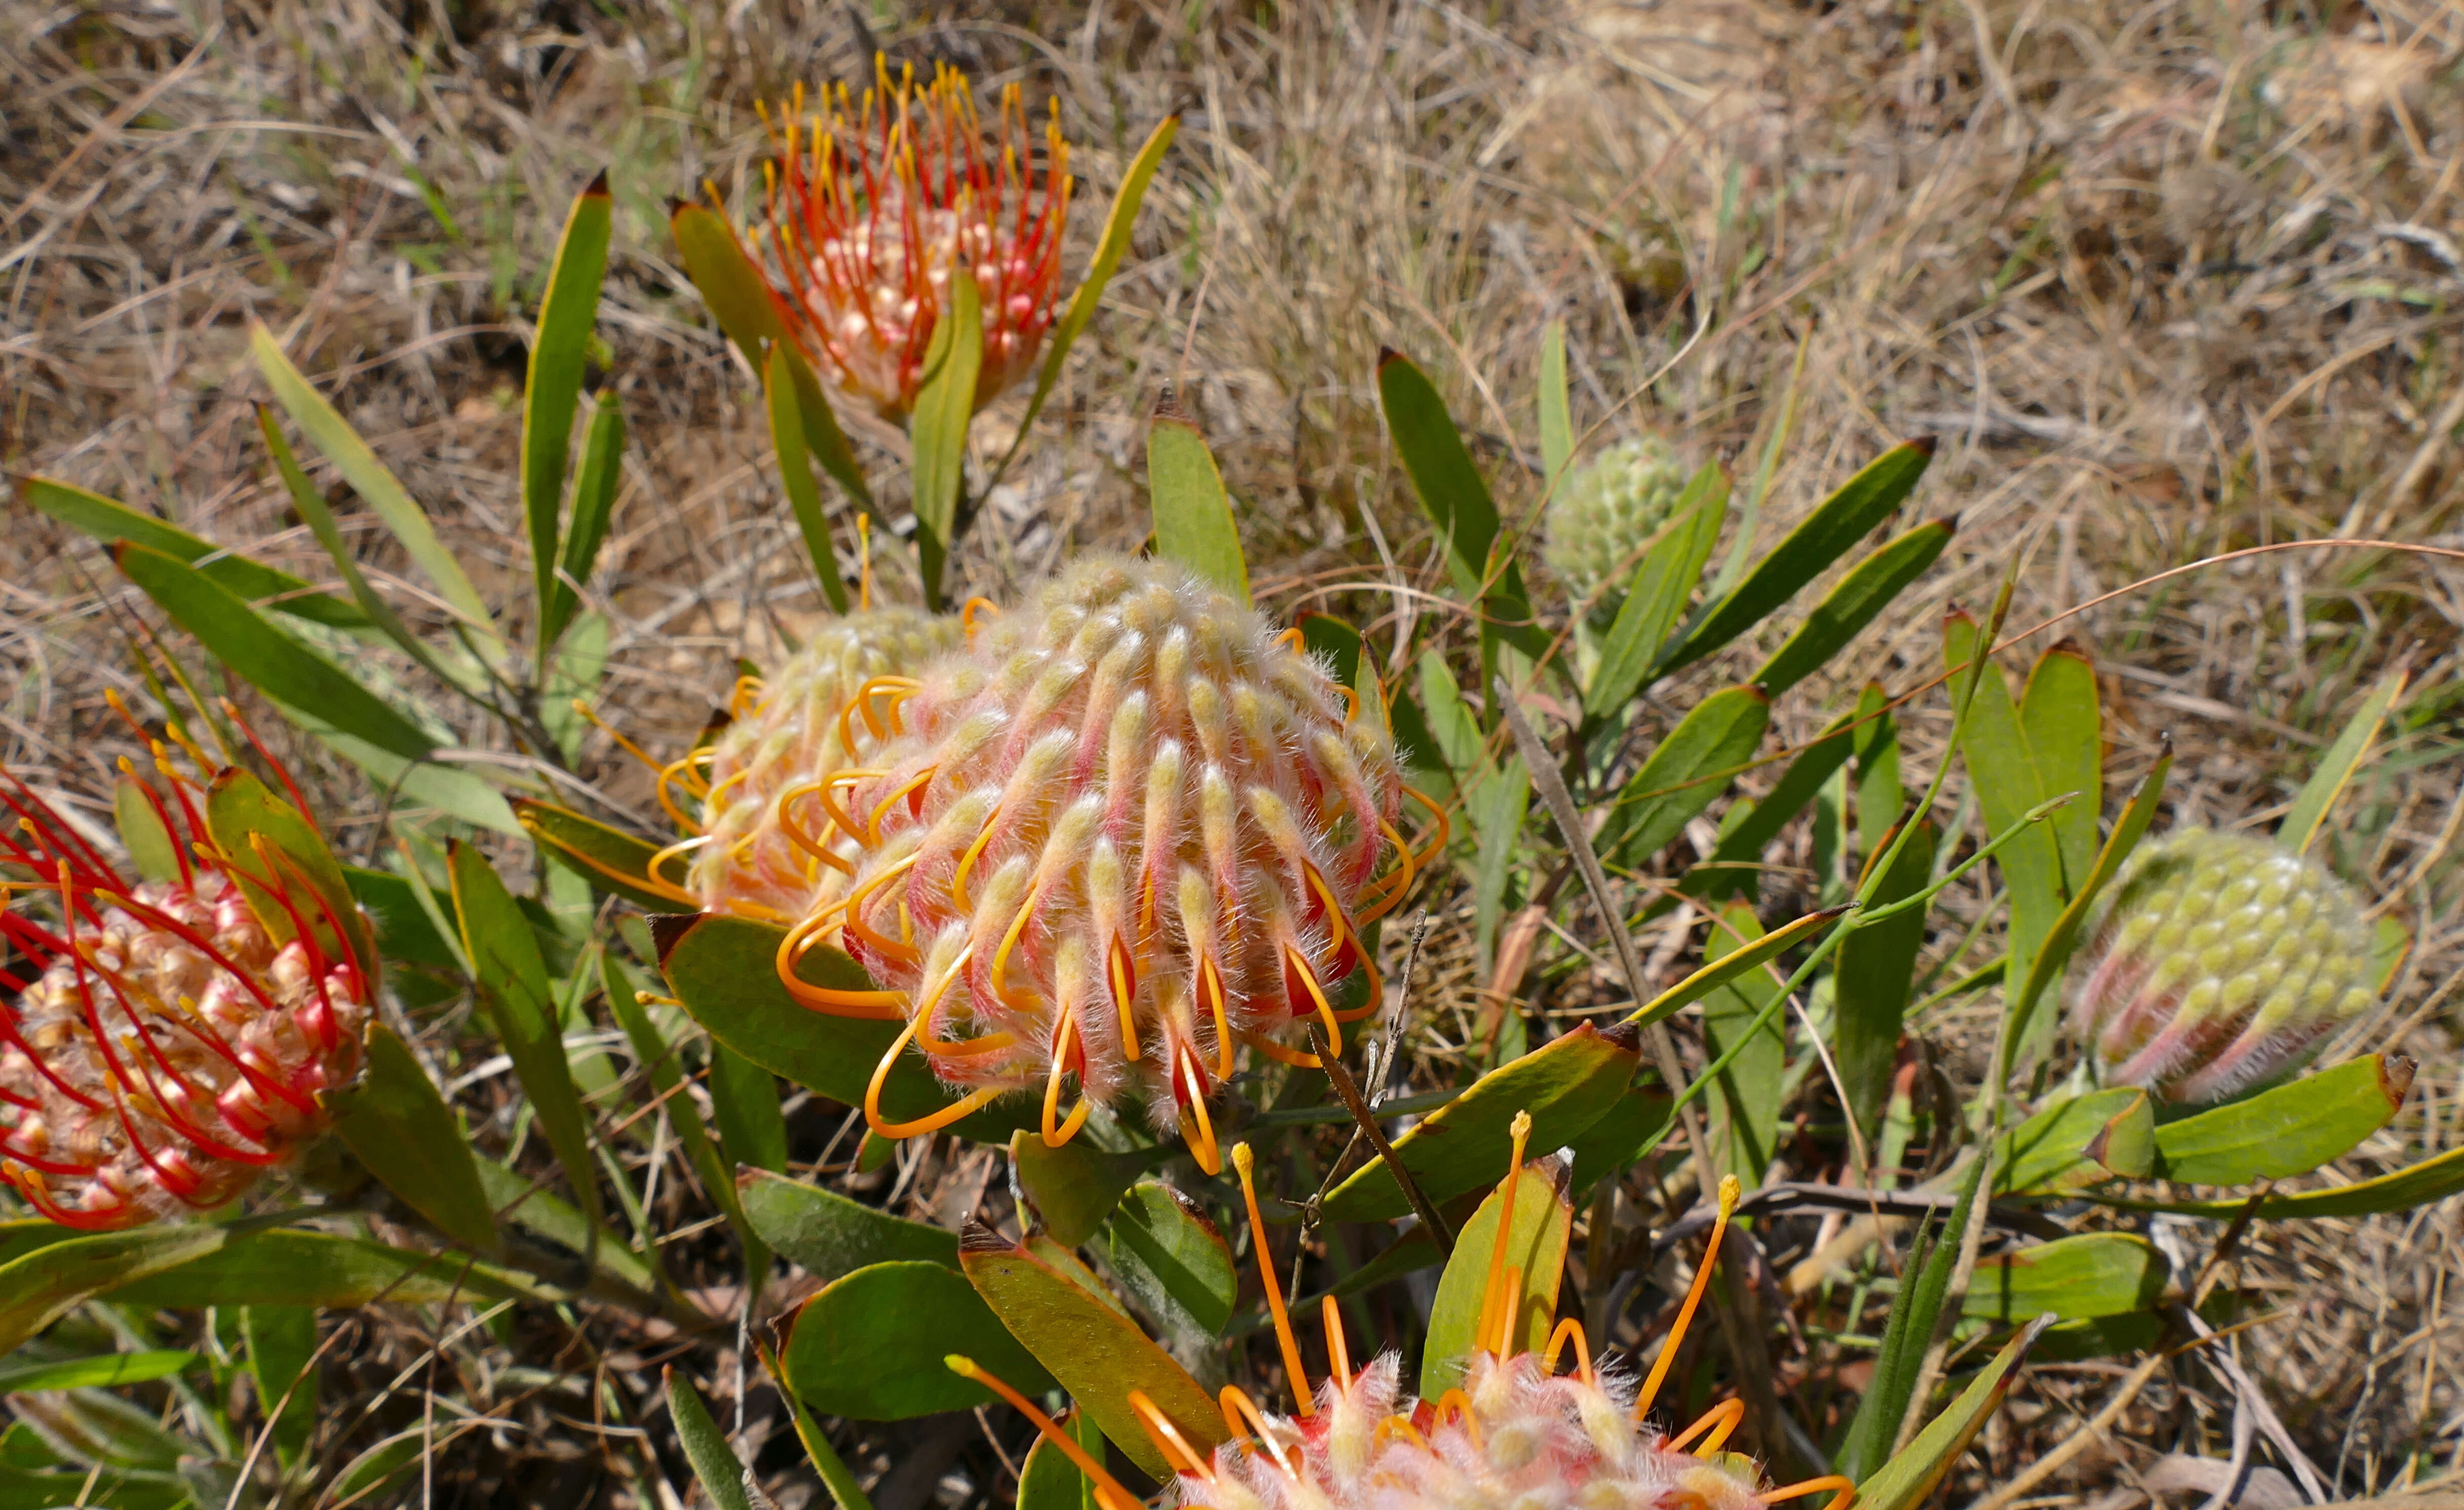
(1516, 1432)
(873, 204)
(1607, 511)
(163, 1043)
(2223, 963)
(1121, 831)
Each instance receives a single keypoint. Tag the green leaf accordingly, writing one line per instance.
(522, 1203)
(2336, 768)
(1173, 1260)
(1097, 1353)
(375, 485)
(1656, 595)
(281, 1343)
(1743, 1121)
(109, 523)
(1449, 485)
(2413, 1185)
(831, 1236)
(1830, 532)
(1870, 587)
(744, 1102)
(1556, 412)
(845, 1488)
(404, 930)
(96, 1373)
(943, 405)
(1908, 1336)
(796, 473)
(658, 1058)
(1734, 865)
(1880, 798)
(2002, 767)
(863, 1347)
(1109, 246)
(1909, 1479)
(1565, 1084)
(269, 839)
(1685, 774)
(715, 1462)
(280, 666)
(552, 388)
(2081, 1140)
(104, 1432)
(2064, 726)
(365, 1480)
(520, 1004)
(1192, 516)
(1536, 1234)
(395, 1123)
(152, 848)
(2290, 1131)
(594, 505)
(2095, 1274)
(1606, 1146)
(2063, 937)
(610, 859)
(1497, 805)
(740, 299)
(1072, 1187)
(285, 1266)
(1877, 965)
(1049, 1480)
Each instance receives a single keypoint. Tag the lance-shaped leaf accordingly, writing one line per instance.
(1925, 1281)
(40, 1286)
(520, 1201)
(1734, 866)
(270, 841)
(1072, 1187)
(1556, 412)
(281, 1345)
(151, 847)
(1874, 583)
(1097, 1353)
(110, 522)
(514, 989)
(1743, 1121)
(594, 504)
(102, 1372)
(1656, 592)
(2336, 768)
(1736, 962)
(2063, 938)
(1457, 503)
(552, 388)
(714, 1463)
(796, 473)
(610, 859)
(2290, 1131)
(1911, 1476)
(285, 1266)
(375, 484)
(2079, 1139)
(1565, 1084)
(1497, 805)
(1685, 774)
(2064, 724)
(658, 1058)
(1605, 1147)
(2002, 767)
(2095, 1274)
(2415, 1184)
(394, 1122)
(1193, 515)
(1173, 1260)
(1049, 1480)
(1880, 797)
(944, 403)
(1830, 532)
(744, 1103)
(740, 299)
(1877, 965)
(723, 968)
(831, 1236)
(1536, 1234)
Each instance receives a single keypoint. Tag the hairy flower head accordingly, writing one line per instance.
(1607, 511)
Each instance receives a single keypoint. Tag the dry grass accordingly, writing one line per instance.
(2167, 278)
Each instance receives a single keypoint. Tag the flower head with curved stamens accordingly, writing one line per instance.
(875, 203)
(163, 1043)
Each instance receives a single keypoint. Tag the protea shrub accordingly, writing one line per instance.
(872, 206)
(2222, 963)
(1126, 830)
(1607, 511)
(163, 1043)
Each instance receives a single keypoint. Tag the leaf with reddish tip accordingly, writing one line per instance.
(1843, 614)
(109, 522)
(1536, 1236)
(1730, 965)
(945, 404)
(2065, 728)
(2068, 1143)
(869, 1346)
(1567, 1085)
(796, 473)
(2413, 1185)
(1910, 1477)
(1097, 1354)
(2290, 1131)
(610, 859)
(1193, 515)
(244, 816)
(1049, 1480)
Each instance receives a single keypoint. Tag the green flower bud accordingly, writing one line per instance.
(2222, 963)
(1607, 511)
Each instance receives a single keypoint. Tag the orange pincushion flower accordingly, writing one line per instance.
(873, 204)
(163, 1044)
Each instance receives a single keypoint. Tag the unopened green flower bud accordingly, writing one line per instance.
(1607, 511)
(2222, 963)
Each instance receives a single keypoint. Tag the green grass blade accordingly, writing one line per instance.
(594, 505)
(1895, 1371)
(1910, 1477)
(1877, 965)
(2336, 768)
(395, 1122)
(553, 389)
(943, 405)
(110, 522)
(713, 1462)
(1193, 515)
(1556, 409)
(1859, 598)
(375, 483)
(803, 496)
(1729, 967)
(1741, 1109)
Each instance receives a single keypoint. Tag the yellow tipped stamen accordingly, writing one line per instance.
(1338, 1356)
(1210, 990)
(746, 697)
(1455, 1405)
(1440, 829)
(863, 559)
(1108, 1489)
(1376, 1001)
(1351, 701)
(1167, 1438)
(1281, 1053)
(931, 1122)
(579, 706)
(1381, 893)
(1241, 1415)
(1121, 976)
(1722, 1419)
(967, 863)
(895, 948)
(1244, 1162)
(1569, 1331)
(1289, 639)
(1295, 961)
(871, 1006)
(1201, 1138)
(914, 783)
(1063, 1037)
(674, 852)
(1495, 1332)
(967, 617)
(1844, 1491)
(1728, 1192)
(921, 1025)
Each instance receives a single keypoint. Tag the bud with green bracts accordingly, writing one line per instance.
(1607, 511)
(2222, 964)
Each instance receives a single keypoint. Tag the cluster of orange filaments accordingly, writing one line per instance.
(873, 206)
(162, 1044)
(1516, 1432)
(1110, 840)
